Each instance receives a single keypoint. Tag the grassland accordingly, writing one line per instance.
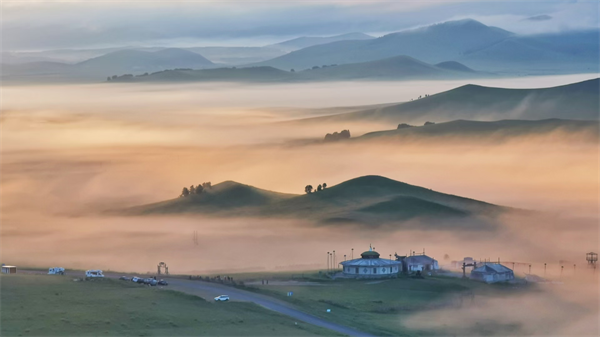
(380, 306)
(42, 305)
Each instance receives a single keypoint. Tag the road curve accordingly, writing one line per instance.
(209, 290)
(264, 301)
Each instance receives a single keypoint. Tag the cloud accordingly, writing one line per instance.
(48, 25)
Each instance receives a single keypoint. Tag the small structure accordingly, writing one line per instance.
(371, 266)
(492, 272)
(163, 265)
(9, 269)
(591, 259)
(420, 263)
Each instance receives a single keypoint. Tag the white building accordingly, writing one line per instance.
(492, 272)
(9, 269)
(371, 266)
(415, 263)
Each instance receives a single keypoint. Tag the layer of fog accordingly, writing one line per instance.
(69, 152)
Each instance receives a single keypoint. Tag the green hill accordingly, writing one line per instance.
(491, 131)
(368, 200)
(572, 101)
(223, 197)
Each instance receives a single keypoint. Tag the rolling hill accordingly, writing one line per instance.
(368, 200)
(579, 101)
(394, 68)
(96, 69)
(136, 61)
(469, 131)
(467, 41)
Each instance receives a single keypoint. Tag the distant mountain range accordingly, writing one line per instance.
(394, 68)
(579, 101)
(368, 201)
(466, 41)
(455, 46)
(494, 131)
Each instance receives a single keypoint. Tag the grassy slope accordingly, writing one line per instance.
(38, 305)
(490, 131)
(381, 308)
(572, 101)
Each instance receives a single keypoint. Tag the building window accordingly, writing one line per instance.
(383, 270)
(356, 270)
(374, 270)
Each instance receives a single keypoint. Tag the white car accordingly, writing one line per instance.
(56, 271)
(94, 273)
(222, 298)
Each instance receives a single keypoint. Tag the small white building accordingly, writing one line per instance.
(371, 266)
(414, 263)
(492, 272)
(9, 269)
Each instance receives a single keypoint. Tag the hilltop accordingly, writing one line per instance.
(579, 101)
(367, 200)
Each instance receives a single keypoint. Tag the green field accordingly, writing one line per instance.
(381, 306)
(42, 305)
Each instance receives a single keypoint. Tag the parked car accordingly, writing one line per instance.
(222, 298)
(94, 273)
(135, 279)
(124, 278)
(150, 281)
(56, 271)
(163, 283)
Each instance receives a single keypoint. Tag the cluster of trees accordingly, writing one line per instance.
(332, 137)
(309, 189)
(195, 189)
(421, 97)
(323, 66)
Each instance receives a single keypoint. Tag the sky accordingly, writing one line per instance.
(43, 25)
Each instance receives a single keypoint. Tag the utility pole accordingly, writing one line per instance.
(344, 257)
(327, 262)
(390, 257)
(529, 269)
(352, 254)
(544, 269)
(561, 270)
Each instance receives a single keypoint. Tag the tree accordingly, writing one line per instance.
(292, 70)
(185, 192)
(319, 188)
(207, 185)
(108, 78)
(192, 190)
(199, 189)
(308, 189)
(324, 185)
(114, 76)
